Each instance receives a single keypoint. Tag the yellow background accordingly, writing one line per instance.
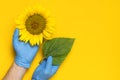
(94, 23)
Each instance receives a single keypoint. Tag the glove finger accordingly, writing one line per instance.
(38, 69)
(41, 66)
(15, 36)
(48, 64)
(35, 47)
(54, 69)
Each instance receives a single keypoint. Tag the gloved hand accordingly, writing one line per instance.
(24, 52)
(45, 70)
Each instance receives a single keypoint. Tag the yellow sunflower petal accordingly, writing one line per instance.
(50, 30)
(22, 38)
(21, 27)
(36, 39)
(22, 31)
(46, 35)
(32, 42)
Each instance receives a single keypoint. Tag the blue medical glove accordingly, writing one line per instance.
(24, 52)
(45, 70)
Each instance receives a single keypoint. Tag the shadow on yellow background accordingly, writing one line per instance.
(94, 23)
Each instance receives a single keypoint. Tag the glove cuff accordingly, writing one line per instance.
(35, 78)
(39, 79)
(21, 62)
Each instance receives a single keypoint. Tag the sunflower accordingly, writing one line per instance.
(35, 24)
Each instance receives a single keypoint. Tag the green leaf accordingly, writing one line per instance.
(58, 48)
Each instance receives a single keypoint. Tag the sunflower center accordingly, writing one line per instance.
(35, 24)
